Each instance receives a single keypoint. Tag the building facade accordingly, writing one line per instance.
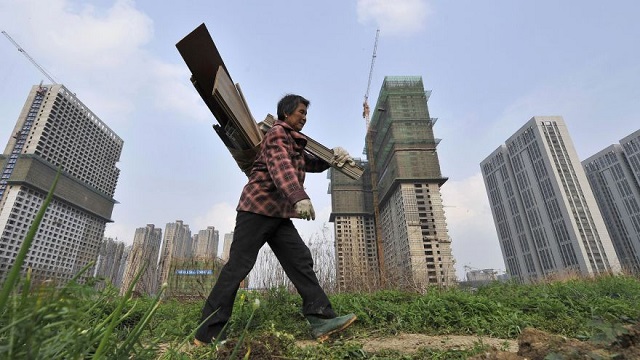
(355, 246)
(412, 241)
(56, 130)
(226, 246)
(205, 243)
(124, 260)
(614, 175)
(545, 213)
(143, 257)
(176, 245)
(109, 260)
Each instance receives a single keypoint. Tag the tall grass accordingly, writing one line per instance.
(76, 321)
(51, 323)
(45, 321)
(14, 273)
(574, 309)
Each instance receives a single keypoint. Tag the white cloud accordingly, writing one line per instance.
(399, 17)
(101, 54)
(84, 37)
(471, 226)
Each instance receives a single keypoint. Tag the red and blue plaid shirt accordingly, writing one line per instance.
(276, 181)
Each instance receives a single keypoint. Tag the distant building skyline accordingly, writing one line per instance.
(169, 258)
(545, 213)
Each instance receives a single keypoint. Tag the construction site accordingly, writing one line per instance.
(390, 226)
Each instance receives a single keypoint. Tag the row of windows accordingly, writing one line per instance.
(67, 237)
(88, 153)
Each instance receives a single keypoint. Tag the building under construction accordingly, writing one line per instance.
(355, 245)
(392, 219)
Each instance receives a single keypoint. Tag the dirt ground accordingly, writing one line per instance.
(409, 343)
(533, 344)
(622, 343)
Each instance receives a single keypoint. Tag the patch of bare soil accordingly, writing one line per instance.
(410, 343)
(534, 344)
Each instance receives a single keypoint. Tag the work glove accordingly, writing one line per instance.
(341, 156)
(304, 209)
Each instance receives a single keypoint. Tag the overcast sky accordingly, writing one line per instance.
(492, 65)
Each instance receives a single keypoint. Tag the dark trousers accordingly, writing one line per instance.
(252, 231)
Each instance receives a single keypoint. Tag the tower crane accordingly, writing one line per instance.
(20, 49)
(370, 134)
(365, 104)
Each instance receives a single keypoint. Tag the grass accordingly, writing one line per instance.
(75, 321)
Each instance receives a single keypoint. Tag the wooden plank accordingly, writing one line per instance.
(244, 101)
(201, 55)
(321, 151)
(226, 93)
(226, 102)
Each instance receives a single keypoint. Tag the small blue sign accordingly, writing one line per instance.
(194, 272)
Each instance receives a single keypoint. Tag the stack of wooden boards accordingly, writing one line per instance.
(236, 126)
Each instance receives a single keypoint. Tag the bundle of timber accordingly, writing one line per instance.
(321, 151)
(236, 126)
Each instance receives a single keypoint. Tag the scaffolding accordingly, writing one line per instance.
(403, 143)
(402, 181)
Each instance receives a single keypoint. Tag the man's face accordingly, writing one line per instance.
(298, 118)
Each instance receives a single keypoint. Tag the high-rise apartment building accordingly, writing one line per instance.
(614, 176)
(205, 244)
(108, 262)
(124, 260)
(412, 241)
(143, 257)
(546, 216)
(55, 129)
(226, 246)
(176, 245)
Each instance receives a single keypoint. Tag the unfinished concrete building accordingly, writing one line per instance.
(412, 241)
(56, 130)
(355, 239)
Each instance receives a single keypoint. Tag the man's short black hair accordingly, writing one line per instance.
(288, 104)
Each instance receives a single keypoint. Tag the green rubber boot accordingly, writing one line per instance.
(321, 328)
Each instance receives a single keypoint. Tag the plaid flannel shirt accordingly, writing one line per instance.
(276, 181)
